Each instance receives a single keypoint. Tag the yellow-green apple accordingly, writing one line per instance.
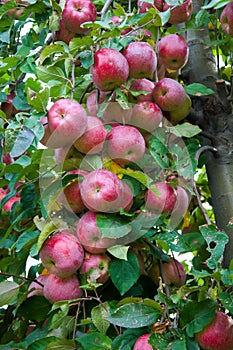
(142, 343)
(169, 94)
(143, 6)
(181, 112)
(57, 288)
(218, 335)
(125, 144)
(92, 140)
(36, 288)
(77, 12)
(89, 234)
(141, 66)
(62, 254)
(226, 19)
(173, 51)
(67, 121)
(179, 14)
(110, 69)
(64, 34)
(146, 116)
(172, 271)
(161, 198)
(95, 268)
(141, 85)
(115, 113)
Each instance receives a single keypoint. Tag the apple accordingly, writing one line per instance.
(77, 12)
(71, 197)
(173, 272)
(142, 343)
(173, 51)
(144, 6)
(67, 121)
(92, 140)
(16, 12)
(179, 14)
(9, 204)
(181, 112)
(95, 268)
(169, 94)
(7, 159)
(62, 254)
(115, 113)
(63, 34)
(57, 288)
(125, 144)
(164, 202)
(89, 234)
(218, 335)
(64, 153)
(102, 191)
(140, 66)
(146, 115)
(7, 106)
(141, 85)
(110, 69)
(226, 19)
(181, 205)
(35, 288)
(92, 103)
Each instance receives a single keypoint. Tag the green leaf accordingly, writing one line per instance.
(136, 174)
(197, 89)
(87, 58)
(226, 300)
(227, 277)
(61, 344)
(23, 142)
(216, 4)
(119, 251)
(29, 308)
(26, 239)
(127, 340)
(77, 43)
(40, 100)
(124, 273)
(185, 130)
(98, 315)
(158, 341)
(8, 292)
(54, 74)
(49, 228)
(50, 50)
(95, 340)
(112, 226)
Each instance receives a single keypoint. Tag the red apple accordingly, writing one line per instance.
(141, 66)
(181, 205)
(89, 235)
(146, 116)
(92, 103)
(226, 19)
(92, 140)
(142, 343)
(173, 272)
(57, 288)
(125, 144)
(179, 14)
(35, 288)
(77, 12)
(143, 6)
(169, 94)
(7, 159)
(62, 254)
(8, 205)
(67, 121)
(141, 85)
(95, 268)
(164, 202)
(218, 335)
(173, 51)
(115, 113)
(7, 106)
(110, 69)
(63, 34)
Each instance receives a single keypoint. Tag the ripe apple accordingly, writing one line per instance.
(7, 106)
(63, 34)
(173, 272)
(143, 6)
(57, 288)
(180, 207)
(181, 112)
(67, 121)
(173, 51)
(142, 343)
(62, 254)
(169, 94)
(141, 85)
(115, 113)
(8, 205)
(110, 69)
(95, 268)
(125, 144)
(226, 19)
(16, 12)
(7, 159)
(179, 14)
(218, 335)
(77, 12)
(92, 103)
(146, 115)
(140, 66)
(162, 203)
(89, 234)
(35, 288)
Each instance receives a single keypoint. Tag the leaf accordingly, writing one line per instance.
(26, 239)
(119, 251)
(158, 341)
(124, 273)
(23, 142)
(127, 340)
(136, 174)
(227, 277)
(95, 340)
(61, 344)
(48, 74)
(98, 314)
(226, 300)
(8, 292)
(40, 101)
(49, 228)
(197, 89)
(49, 50)
(216, 4)
(87, 58)
(29, 308)
(112, 226)
(185, 130)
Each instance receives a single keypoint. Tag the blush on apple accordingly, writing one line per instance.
(146, 116)
(226, 19)
(95, 268)
(142, 343)
(36, 288)
(63, 34)
(179, 14)
(164, 201)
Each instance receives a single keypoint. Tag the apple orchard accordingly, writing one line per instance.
(116, 175)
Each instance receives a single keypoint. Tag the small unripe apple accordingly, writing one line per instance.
(163, 202)
(95, 268)
(226, 19)
(142, 343)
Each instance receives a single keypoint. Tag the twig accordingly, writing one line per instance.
(105, 9)
(21, 278)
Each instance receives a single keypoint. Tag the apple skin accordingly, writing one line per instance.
(8, 205)
(62, 254)
(143, 6)
(57, 288)
(169, 94)
(142, 343)
(110, 69)
(165, 202)
(147, 116)
(92, 103)
(125, 144)
(181, 112)
(35, 288)
(67, 121)
(115, 113)
(173, 271)
(63, 34)
(95, 267)
(89, 235)
(182, 203)
(77, 12)
(173, 51)
(181, 13)
(141, 85)
(92, 140)
(140, 66)
(218, 335)
(226, 19)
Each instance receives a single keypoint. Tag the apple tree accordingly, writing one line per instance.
(116, 174)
